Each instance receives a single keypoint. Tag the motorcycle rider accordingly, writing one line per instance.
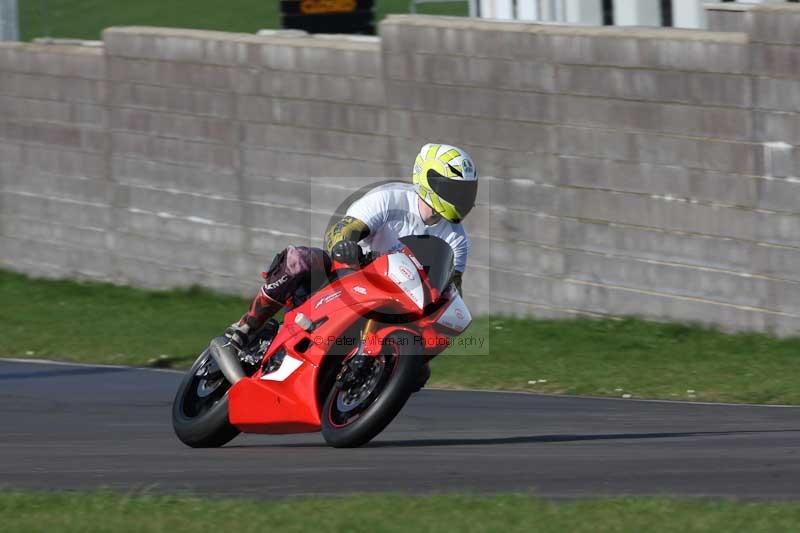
(445, 184)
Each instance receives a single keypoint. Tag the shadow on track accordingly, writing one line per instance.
(531, 439)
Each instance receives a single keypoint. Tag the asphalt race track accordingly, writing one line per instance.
(70, 427)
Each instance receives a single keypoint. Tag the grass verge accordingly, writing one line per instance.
(93, 322)
(86, 19)
(104, 511)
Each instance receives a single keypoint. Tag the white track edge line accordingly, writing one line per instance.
(615, 398)
(438, 389)
(84, 365)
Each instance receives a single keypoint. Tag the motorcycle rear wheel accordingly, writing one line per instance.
(348, 426)
(200, 408)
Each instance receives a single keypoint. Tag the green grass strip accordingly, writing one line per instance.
(94, 322)
(105, 511)
(102, 323)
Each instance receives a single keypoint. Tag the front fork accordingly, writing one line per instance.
(368, 348)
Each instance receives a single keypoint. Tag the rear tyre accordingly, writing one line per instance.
(200, 408)
(353, 415)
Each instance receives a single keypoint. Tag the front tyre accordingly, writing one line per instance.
(200, 408)
(357, 409)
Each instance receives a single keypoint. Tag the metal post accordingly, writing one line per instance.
(688, 14)
(637, 12)
(9, 20)
(584, 12)
(560, 10)
(528, 9)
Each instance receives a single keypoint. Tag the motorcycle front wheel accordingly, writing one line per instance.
(200, 408)
(355, 412)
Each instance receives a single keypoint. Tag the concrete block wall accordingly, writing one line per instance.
(54, 188)
(729, 16)
(626, 171)
(775, 58)
(175, 157)
(215, 138)
(629, 168)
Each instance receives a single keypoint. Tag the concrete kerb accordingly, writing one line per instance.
(729, 6)
(115, 39)
(626, 32)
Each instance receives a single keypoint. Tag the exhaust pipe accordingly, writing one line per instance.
(226, 359)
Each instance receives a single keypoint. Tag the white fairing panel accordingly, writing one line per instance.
(456, 316)
(289, 365)
(404, 273)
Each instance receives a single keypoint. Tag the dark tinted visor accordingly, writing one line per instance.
(460, 193)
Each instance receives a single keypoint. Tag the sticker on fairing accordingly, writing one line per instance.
(403, 272)
(408, 274)
(416, 262)
(327, 299)
(288, 366)
(456, 316)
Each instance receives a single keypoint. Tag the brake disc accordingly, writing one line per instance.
(354, 395)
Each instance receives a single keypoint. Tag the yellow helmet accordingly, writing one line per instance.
(446, 180)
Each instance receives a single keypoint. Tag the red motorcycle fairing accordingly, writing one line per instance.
(287, 400)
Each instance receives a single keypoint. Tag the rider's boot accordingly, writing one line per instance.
(262, 309)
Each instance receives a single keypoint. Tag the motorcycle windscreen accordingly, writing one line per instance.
(435, 256)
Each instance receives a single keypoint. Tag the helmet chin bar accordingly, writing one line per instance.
(431, 217)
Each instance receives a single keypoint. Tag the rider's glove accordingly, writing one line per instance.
(348, 252)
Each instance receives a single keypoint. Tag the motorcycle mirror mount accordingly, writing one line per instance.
(305, 323)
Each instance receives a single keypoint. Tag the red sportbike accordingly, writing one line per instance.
(344, 362)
